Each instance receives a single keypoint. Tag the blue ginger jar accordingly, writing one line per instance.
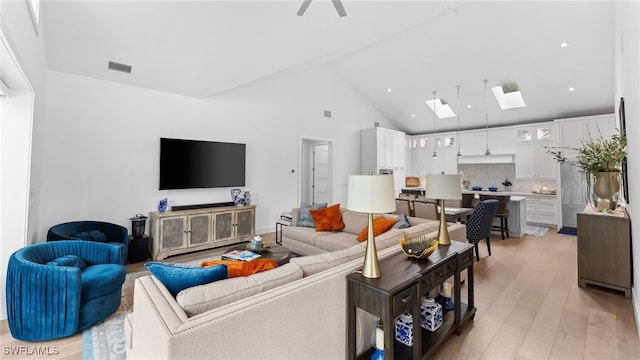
(430, 314)
(404, 329)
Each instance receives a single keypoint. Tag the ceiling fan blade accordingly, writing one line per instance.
(304, 7)
(339, 8)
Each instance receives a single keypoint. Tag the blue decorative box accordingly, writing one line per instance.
(404, 329)
(430, 314)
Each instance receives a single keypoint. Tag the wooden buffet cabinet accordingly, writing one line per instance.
(178, 232)
(399, 289)
(604, 250)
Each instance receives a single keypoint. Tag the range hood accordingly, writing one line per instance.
(482, 159)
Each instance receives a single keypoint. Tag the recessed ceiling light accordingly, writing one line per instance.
(508, 96)
(468, 106)
(389, 90)
(413, 115)
(572, 89)
(564, 45)
(442, 109)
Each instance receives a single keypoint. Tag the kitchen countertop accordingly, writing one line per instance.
(512, 193)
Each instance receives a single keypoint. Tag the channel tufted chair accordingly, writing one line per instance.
(479, 224)
(92, 231)
(55, 289)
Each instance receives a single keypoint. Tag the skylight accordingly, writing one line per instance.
(508, 96)
(442, 109)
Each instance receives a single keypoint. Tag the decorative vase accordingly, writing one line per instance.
(430, 314)
(247, 197)
(606, 190)
(404, 329)
(162, 205)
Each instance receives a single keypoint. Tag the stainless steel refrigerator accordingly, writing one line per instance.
(574, 194)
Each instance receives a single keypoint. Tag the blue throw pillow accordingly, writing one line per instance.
(68, 260)
(305, 218)
(403, 222)
(83, 235)
(178, 277)
(98, 236)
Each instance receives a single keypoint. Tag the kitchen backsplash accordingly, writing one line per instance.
(486, 175)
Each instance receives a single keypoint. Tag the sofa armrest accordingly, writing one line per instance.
(296, 216)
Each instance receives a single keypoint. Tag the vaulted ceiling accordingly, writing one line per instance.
(204, 48)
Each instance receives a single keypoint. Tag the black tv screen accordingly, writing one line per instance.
(188, 164)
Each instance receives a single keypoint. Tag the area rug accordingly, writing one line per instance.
(568, 231)
(106, 341)
(535, 230)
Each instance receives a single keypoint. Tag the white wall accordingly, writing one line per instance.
(627, 85)
(101, 142)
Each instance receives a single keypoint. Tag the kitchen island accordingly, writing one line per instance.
(517, 210)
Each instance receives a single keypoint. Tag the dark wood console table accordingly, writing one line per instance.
(398, 290)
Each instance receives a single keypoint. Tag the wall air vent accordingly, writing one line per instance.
(120, 67)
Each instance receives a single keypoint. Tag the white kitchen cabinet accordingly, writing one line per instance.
(575, 130)
(383, 149)
(542, 209)
(532, 159)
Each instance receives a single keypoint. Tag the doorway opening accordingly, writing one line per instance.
(316, 169)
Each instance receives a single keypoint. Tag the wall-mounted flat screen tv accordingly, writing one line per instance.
(189, 164)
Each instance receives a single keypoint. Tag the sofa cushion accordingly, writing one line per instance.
(335, 241)
(305, 216)
(354, 221)
(68, 260)
(94, 235)
(302, 234)
(314, 264)
(176, 277)
(100, 279)
(202, 298)
(380, 225)
(328, 219)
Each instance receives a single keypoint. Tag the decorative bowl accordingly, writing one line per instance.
(493, 188)
(420, 247)
(477, 188)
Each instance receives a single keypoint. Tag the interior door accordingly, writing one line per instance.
(320, 182)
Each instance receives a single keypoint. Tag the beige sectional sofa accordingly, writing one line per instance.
(297, 311)
(307, 241)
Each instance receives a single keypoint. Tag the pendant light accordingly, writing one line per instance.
(435, 154)
(487, 151)
(458, 133)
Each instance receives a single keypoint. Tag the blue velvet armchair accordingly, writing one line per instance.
(55, 289)
(92, 231)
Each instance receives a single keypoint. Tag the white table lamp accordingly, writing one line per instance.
(443, 187)
(371, 194)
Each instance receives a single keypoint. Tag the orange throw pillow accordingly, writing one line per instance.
(380, 226)
(328, 219)
(242, 268)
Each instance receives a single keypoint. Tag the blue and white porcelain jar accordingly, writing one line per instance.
(430, 314)
(404, 329)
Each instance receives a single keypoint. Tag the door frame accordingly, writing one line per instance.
(305, 164)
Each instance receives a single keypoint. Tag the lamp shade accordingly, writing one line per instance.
(371, 194)
(443, 187)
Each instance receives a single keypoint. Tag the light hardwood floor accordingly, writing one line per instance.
(529, 307)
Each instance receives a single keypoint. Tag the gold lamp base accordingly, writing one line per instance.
(371, 268)
(443, 232)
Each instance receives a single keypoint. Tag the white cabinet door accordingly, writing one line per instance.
(525, 160)
(545, 164)
(570, 136)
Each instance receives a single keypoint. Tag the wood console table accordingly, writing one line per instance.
(398, 290)
(604, 250)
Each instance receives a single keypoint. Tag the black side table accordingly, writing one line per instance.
(138, 248)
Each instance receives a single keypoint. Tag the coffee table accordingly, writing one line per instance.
(276, 252)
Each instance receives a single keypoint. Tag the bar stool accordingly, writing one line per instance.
(467, 200)
(502, 212)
